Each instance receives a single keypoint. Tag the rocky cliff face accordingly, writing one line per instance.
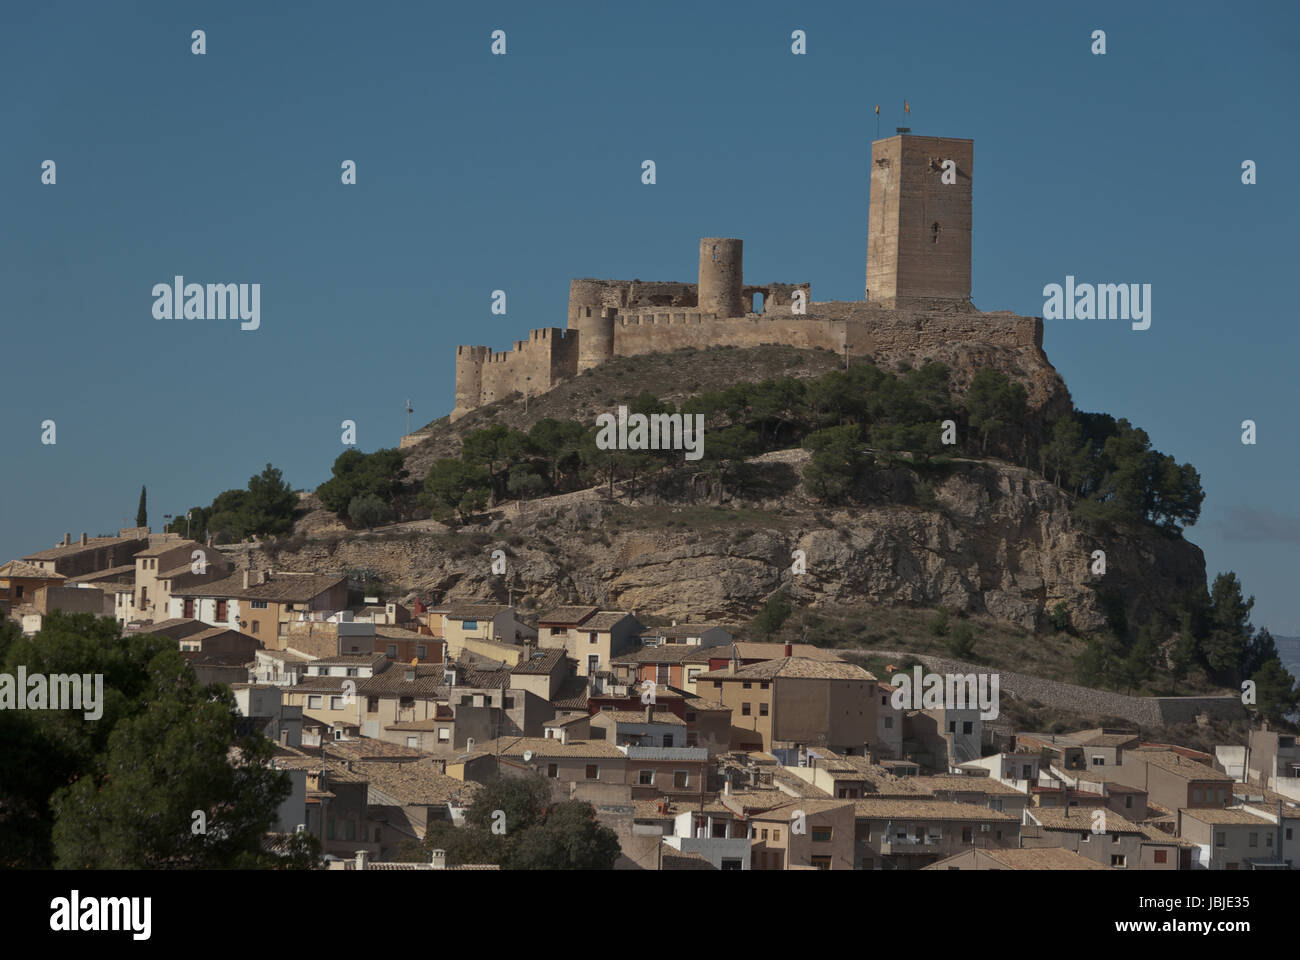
(987, 538)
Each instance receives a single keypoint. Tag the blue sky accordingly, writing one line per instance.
(519, 172)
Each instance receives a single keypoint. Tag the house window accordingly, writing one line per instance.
(336, 703)
(762, 709)
(444, 734)
(952, 726)
(1196, 796)
(406, 703)
(646, 778)
(391, 651)
(764, 685)
(995, 803)
(1118, 860)
(690, 716)
(593, 771)
(261, 605)
(421, 651)
(691, 674)
(188, 606)
(681, 779)
(1099, 761)
(889, 723)
(1253, 840)
(1161, 856)
(1220, 839)
(821, 863)
(221, 610)
(764, 835)
(553, 770)
(473, 625)
(776, 836)
(412, 741)
(256, 624)
(593, 663)
(1128, 801)
(744, 709)
(967, 727)
(591, 638)
(661, 674)
(821, 834)
(692, 740)
(967, 835)
(313, 703)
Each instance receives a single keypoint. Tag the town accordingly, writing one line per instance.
(698, 747)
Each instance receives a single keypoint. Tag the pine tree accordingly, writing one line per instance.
(141, 513)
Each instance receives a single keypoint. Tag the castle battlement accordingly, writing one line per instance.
(918, 265)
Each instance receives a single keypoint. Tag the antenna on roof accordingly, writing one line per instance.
(408, 415)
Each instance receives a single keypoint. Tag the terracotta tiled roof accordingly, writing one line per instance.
(545, 747)
(1223, 818)
(1183, 767)
(1044, 858)
(921, 809)
(475, 610)
(393, 682)
(804, 668)
(636, 716)
(566, 616)
(607, 620)
(541, 662)
(1079, 818)
(20, 568)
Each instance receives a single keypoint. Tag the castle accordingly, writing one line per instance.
(918, 286)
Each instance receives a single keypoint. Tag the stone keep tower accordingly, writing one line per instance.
(919, 234)
(721, 277)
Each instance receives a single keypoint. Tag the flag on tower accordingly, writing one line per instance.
(877, 109)
(906, 107)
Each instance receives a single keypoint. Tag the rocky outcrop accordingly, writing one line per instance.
(985, 537)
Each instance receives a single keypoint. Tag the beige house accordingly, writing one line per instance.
(171, 562)
(91, 554)
(591, 637)
(543, 673)
(330, 690)
(1231, 839)
(1101, 835)
(259, 603)
(492, 622)
(910, 834)
(796, 701)
(19, 581)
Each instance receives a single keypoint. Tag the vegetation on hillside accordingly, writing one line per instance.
(853, 422)
(265, 507)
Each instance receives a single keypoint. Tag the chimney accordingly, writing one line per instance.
(284, 738)
(650, 713)
(731, 664)
(726, 785)
(789, 649)
(439, 860)
(83, 538)
(362, 857)
(245, 579)
(67, 539)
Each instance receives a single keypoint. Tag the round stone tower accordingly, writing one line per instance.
(721, 276)
(469, 379)
(594, 322)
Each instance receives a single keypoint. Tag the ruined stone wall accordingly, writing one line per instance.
(548, 356)
(867, 331)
